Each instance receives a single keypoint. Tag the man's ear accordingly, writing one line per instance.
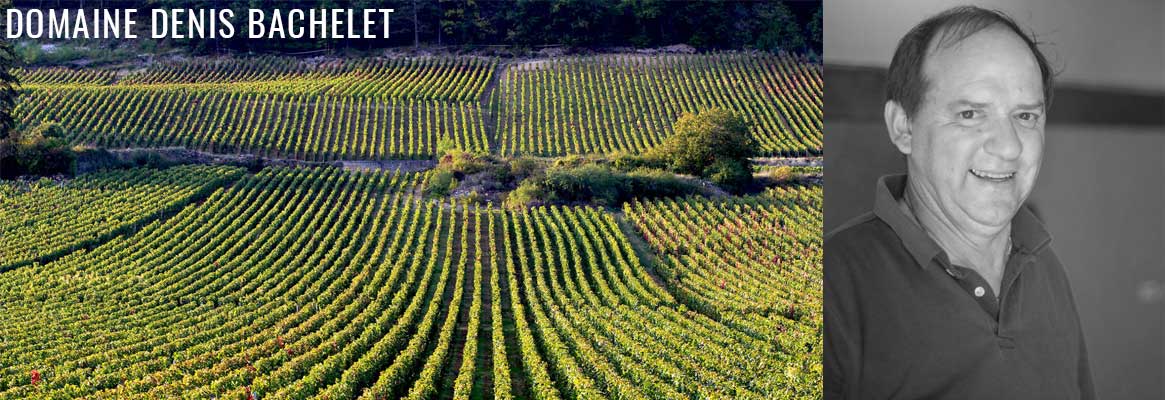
(898, 126)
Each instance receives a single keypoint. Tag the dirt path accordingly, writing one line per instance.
(456, 354)
(181, 155)
(790, 161)
(389, 165)
(643, 250)
(489, 106)
(518, 384)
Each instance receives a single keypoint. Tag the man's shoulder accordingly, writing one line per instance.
(861, 243)
(860, 229)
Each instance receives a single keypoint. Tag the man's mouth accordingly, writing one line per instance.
(993, 176)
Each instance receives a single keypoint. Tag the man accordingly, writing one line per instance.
(949, 288)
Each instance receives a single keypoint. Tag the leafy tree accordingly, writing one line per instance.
(8, 81)
(41, 150)
(714, 144)
(815, 29)
(782, 31)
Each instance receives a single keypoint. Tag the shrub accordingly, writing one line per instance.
(714, 142)
(40, 150)
(525, 167)
(648, 183)
(439, 183)
(626, 162)
(570, 161)
(732, 175)
(148, 159)
(528, 194)
(473, 197)
(598, 185)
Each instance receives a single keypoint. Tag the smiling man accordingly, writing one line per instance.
(949, 289)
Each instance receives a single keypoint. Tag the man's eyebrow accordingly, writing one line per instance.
(1039, 105)
(965, 102)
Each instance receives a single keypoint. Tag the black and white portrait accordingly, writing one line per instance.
(994, 212)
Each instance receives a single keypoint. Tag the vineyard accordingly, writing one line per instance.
(390, 108)
(610, 103)
(273, 107)
(752, 262)
(44, 219)
(325, 283)
(297, 282)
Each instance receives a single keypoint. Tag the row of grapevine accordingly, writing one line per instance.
(601, 104)
(64, 76)
(246, 290)
(604, 329)
(44, 219)
(753, 262)
(322, 283)
(455, 79)
(399, 107)
(307, 126)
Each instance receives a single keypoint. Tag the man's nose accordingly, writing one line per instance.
(1004, 141)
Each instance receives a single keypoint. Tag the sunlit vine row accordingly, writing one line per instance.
(593, 324)
(308, 126)
(47, 218)
(754, 262)
(64, 76)
(601, 104)
(458, 79)
(323, 283)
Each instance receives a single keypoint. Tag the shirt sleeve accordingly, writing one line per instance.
(841, 354)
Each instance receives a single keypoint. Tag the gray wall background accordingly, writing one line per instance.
(1101, 190)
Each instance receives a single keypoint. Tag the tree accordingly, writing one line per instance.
(8, 82)
(713, 144)
(782, 31)
(815, 29)
(40, 150)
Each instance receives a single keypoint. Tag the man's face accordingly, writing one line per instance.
(978, 136)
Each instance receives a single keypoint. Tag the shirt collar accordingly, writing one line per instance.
(1028, 234)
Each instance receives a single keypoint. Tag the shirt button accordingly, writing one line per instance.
(979, 291)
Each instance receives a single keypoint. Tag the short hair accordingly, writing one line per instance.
(906, 83)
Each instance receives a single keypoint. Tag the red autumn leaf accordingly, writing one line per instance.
(34, 376)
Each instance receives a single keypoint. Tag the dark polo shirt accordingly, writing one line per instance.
(902, 322)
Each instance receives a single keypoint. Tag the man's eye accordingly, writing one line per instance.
(1027, 116)
(969, 114)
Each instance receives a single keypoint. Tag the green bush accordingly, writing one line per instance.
(713, 142)
(525, 167)
(473, 197)
(148, 159)
(733, 176)
(570, 161)
(439, 183)
(40, 150)
(591, 183)
(646, 183)
(627, 162)
(47, 130)
(597, 185)
(528, 194)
